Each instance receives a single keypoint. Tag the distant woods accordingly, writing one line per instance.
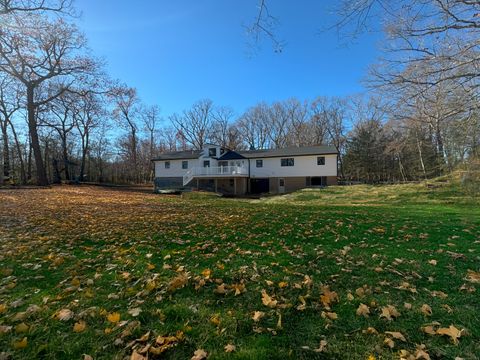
(62, 118)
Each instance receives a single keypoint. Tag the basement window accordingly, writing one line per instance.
(287, 162)
(167, 164)
(321, 160)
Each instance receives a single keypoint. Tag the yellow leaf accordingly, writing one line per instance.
(239, 289)
(370, 330)
(230, 348)
(389, 342)
(113, 317)
(303, 304)
(426, 310)
(206, 273)
(329, 315)
(22, 344)
(328, 297)
(267, 300)
(178, 282)
(136, 356)
(79, 326)
(396, 335)
(150, 266)
(473, 277)
(221, 290)
(3, 308)
(389, 312)
(451, 331)
(215, 319)
(21, 328)
(199, 354)
(282, 284)
(428, 330)
(257, 315)
(363, 310)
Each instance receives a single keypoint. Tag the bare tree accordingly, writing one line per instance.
(195, 124)
(126, 111)
(89, 110)
(46, 54)
(254, 126)
(23, 6)
(9, 104)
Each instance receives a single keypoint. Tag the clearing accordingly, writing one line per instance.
(346, 272)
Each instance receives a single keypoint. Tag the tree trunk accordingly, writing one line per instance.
(65, 156)
(35, 143)
(23, 175)
(6, 150)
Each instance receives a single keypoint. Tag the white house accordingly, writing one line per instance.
(241, 172)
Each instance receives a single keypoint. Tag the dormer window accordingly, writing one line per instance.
(212, 152)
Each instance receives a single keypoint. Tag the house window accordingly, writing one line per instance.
(321, 160)
(206, 163)
(212, 152)
(184, 164)
(167, 164)
(287, 162)
(259, 163)
(281, 182)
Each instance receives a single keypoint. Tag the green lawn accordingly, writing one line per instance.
(107, 273)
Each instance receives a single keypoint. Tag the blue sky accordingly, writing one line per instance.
(177, 52)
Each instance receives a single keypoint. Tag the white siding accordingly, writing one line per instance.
(303, 166)
(175, 168)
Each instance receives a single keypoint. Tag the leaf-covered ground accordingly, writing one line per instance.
(342, 273)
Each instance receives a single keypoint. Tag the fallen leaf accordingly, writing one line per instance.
(473, 277)
(426, 310)
(257, 315)
(113, 317)
(267, 300)
(389, 312)
(22, 344)
(451, 331)
(79, 326)
(363, 310)
(322, 347)
(21, 328)
(134, 311)
(199, 354)
(396, 335)
(64, 314)
(329, 315)
(230, 348)
(136, 356)
(328, 297)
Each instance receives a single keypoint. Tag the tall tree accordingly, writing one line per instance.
(42, 54)
(195, 123)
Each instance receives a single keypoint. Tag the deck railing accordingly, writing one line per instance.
(215, 171)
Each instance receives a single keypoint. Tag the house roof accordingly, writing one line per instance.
(252, 154)
(177, 155)
(231, 155)
(290, 151)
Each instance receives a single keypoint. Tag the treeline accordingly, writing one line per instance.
(63, 119)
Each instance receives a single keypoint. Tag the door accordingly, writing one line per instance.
(259, 186)
(281, 186)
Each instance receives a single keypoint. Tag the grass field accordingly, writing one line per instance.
(343, 273)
